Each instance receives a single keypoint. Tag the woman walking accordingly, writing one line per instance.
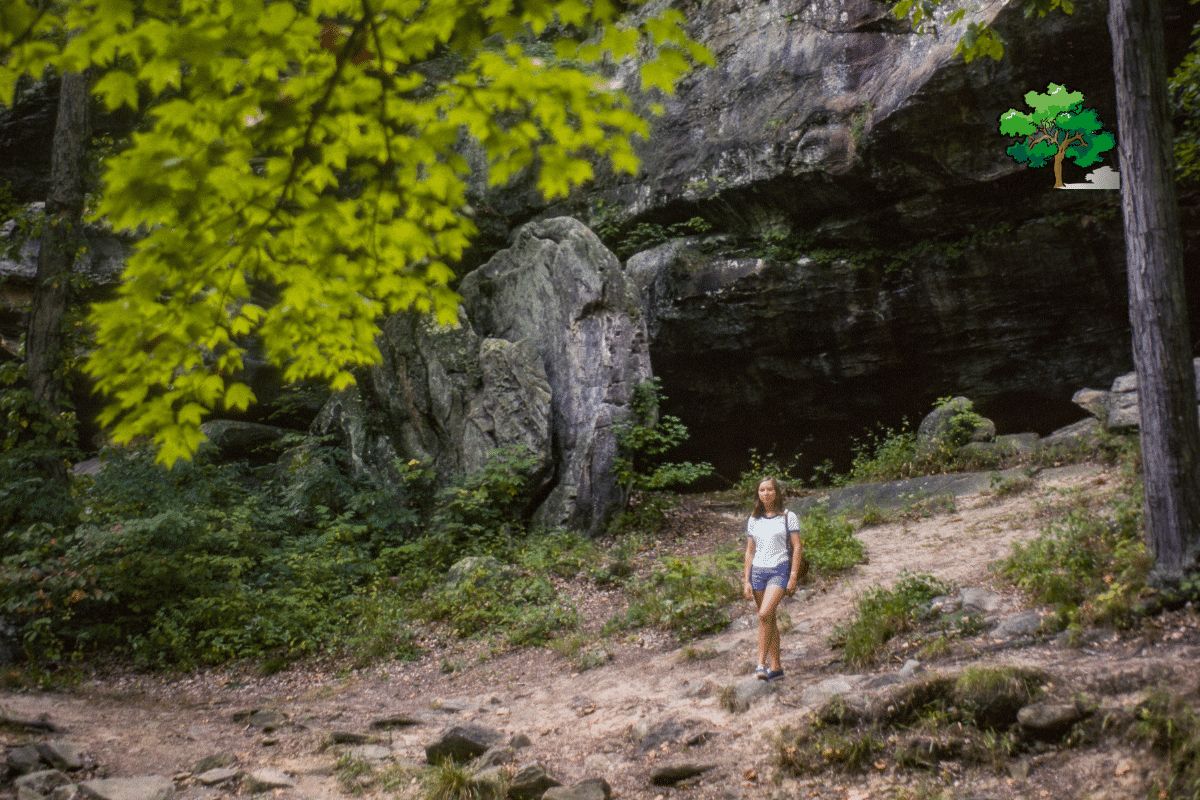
(773, 551)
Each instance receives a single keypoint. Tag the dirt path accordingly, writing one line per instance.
(619, 721)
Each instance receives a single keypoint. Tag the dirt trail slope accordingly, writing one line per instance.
(653, 704)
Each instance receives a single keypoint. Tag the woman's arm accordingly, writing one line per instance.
(797, 555)
(747, 590)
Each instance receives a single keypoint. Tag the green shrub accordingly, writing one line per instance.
(814, 749)
(881, 614)
(1090, 564)
(688, 596)
(644, 438)
(829, 542)
(206, 563)
(527, 609)
(762, 465)
(883, 454)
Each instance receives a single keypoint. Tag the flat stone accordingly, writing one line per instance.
(1093, 401)
(261, 780)
(494, 756)
(1049, 720)
(1019, 443)
(213, 762)
(747, 691)
(219, 775)
(69, 792)
(25, 759)
(371, 752)
(267, 721)
(61, 755)
(819, 694)
(980, 600)
(39, 784)
(461, 743)
(674, 773)
(144, 787)
(589, 789)
(1025, 623)
(911, 667)
(531, 782)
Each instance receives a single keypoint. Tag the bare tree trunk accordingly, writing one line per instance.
(1170, 433)
(61, 238)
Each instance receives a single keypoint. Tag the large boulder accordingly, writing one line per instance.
(445, 396)
(558, 289)
(1118, 409)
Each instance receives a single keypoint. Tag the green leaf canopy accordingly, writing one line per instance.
(301, 170)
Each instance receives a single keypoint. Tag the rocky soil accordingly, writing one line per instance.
(654, 721)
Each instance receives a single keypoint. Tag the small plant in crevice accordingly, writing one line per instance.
(644, 438)
(449, 781)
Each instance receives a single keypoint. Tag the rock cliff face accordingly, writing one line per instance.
(873, 246)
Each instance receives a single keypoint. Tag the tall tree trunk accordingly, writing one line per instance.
(1162, 356)
(61, 238)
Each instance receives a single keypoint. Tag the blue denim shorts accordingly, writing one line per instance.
(762, 577)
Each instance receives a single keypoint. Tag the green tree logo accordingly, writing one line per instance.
(1058, 127)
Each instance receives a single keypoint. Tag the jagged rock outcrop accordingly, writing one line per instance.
(1117, 409)
(551, 346)
(562, 292)
(445, 396)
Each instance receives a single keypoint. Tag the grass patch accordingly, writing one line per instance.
(881, 614)
(686, 595)
(1008, 486)
(1090, 563)
(812, 750)
(1172, 729)
(449, 781)
(582, 651)
(969, 718)
(355, 776)
(691, 653)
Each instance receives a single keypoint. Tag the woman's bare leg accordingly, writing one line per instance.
(768, 631)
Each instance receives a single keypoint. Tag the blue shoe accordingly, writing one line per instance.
(773, 675)
(762, 673)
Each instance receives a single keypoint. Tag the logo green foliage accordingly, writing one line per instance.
(1058, 127)
(300, 170)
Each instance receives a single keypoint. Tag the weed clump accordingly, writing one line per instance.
(686, 595)
(1172, 729)
(1091, 564)
(829, 542)
(881, 614)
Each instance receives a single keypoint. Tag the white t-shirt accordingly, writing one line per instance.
(771, 546)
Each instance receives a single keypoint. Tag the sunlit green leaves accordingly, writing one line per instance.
(300, 173)
(979, 39)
